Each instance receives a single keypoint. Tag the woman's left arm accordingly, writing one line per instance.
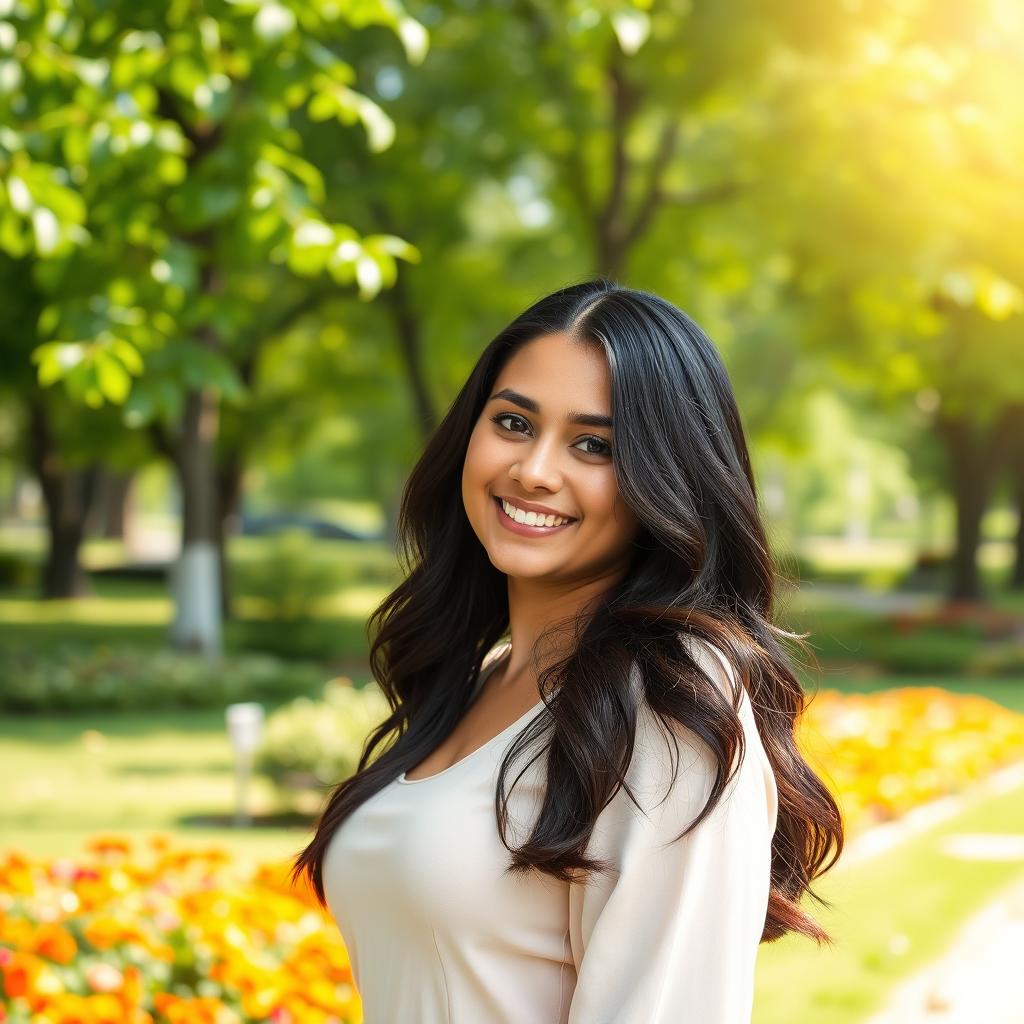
(671, 936)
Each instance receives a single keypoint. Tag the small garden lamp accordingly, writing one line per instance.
(245, 729)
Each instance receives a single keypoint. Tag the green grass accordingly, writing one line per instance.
(1005, 691)
(915, 896)
(62, 780)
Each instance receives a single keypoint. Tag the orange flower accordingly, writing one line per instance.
(197, 1010)
(20, 973)
(132, 988)
(16, 932)
(54, 942)
(109, 844)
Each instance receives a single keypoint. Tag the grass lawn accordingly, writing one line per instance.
(891, 915)
(62, 780)
(1006, 691)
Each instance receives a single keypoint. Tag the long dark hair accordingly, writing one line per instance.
(702, 569)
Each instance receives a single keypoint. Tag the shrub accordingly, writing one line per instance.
(290, 579)
(288, 584)
(927, 652)
(303, 639)
(962, 616)
(1001, 660)
(104, 677)
(316, 744)
(18, 570)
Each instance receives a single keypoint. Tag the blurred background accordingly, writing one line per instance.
(250, 249)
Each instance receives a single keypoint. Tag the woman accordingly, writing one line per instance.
(661, 822)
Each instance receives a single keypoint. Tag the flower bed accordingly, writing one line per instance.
(146, 934)
(884, 753)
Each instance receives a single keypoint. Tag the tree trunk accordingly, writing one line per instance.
(410, 342)
(1017, 576)
(196, 581)
(110, 510)
(68, 494)
(1015, 466)
(974, 452)
(230, 469)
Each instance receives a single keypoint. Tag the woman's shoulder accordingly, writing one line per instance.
(668, 753)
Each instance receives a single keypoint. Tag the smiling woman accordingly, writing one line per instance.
(518, 459)
(589, 501)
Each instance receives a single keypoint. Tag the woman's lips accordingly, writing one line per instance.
(528, 531)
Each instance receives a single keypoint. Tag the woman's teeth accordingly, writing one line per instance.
(532, 518)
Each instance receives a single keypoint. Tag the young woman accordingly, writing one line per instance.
(589, 500)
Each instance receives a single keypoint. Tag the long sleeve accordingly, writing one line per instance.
(671, 936)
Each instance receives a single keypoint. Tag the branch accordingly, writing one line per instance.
(656, 197)
(309, 302)
(203, 140)
(653, 194)
(707, 194)
(624, 102)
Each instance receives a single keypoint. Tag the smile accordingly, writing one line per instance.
(535, 529)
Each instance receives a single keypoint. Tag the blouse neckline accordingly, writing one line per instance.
(403, 781)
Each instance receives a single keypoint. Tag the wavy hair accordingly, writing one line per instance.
(702, 569)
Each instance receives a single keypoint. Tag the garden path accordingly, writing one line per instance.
(979, 979)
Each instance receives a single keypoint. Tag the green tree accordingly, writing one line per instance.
(151, 168)
(910, 199)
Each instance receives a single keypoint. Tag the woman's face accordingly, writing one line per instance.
(526, 448)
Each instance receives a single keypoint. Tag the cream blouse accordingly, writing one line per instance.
(437, 933)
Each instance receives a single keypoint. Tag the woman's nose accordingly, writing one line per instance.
(540, 466)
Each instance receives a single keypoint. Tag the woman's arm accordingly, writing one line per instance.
(671, 937)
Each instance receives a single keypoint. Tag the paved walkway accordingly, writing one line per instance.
(876, 601)
(978, 980)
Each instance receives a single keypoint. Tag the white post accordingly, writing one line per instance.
(245, 729)
(196, 588)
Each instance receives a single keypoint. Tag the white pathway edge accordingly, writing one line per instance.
(882, 838)
(977, 980)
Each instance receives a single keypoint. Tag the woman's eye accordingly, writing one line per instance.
(506, 416)
(604, 448)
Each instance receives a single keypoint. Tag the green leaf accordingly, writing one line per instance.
(632, 28)
(273, 21)
(415, 39)
(394, 246)
(112, 379)
(322, 106)
(128, 354)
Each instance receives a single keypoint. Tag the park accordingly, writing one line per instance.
(249, 252)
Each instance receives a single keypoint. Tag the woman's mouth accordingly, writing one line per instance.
(524, 529)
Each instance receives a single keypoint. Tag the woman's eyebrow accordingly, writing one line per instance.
(583, 418)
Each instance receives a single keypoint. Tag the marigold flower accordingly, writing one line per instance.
(54, 942)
